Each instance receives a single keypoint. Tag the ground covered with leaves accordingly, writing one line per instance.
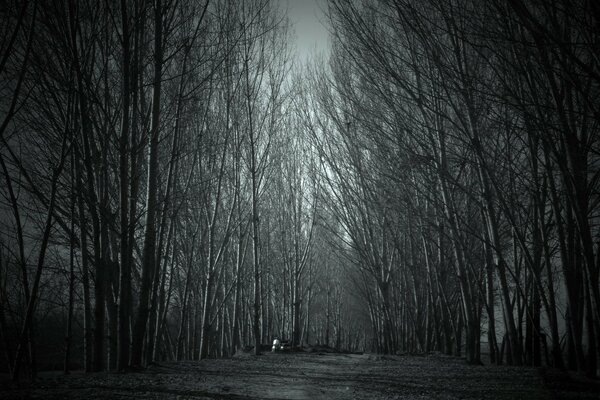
(316, 375)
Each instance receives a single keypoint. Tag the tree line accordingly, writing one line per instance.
(459, 144)
(157, 198)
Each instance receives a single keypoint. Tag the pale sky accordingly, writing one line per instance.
(307, 18)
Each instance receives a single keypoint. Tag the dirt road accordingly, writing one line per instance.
(304, 376)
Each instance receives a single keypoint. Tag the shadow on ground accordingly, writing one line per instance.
(314, 375)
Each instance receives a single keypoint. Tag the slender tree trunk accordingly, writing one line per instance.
(491, 299)
(254, 179)
(149, 249)
(69, 332)
(296, 307)
(85, 280)
(86, 134)
(124, 305)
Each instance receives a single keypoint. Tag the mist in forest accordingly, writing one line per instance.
(192, 179)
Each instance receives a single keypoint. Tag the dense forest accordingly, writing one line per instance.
(176, 186)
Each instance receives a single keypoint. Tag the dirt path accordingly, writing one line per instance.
(303, 376)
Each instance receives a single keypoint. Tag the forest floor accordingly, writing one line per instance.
(312, 376)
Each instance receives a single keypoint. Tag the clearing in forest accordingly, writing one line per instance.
(312, 376)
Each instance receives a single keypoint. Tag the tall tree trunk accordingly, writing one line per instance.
(124, 305)
(71, 301)
(85, 280)
(149, 249)
(86, 134)
(239, 261)
(254, 180)
(490, 306)
(296, 302)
